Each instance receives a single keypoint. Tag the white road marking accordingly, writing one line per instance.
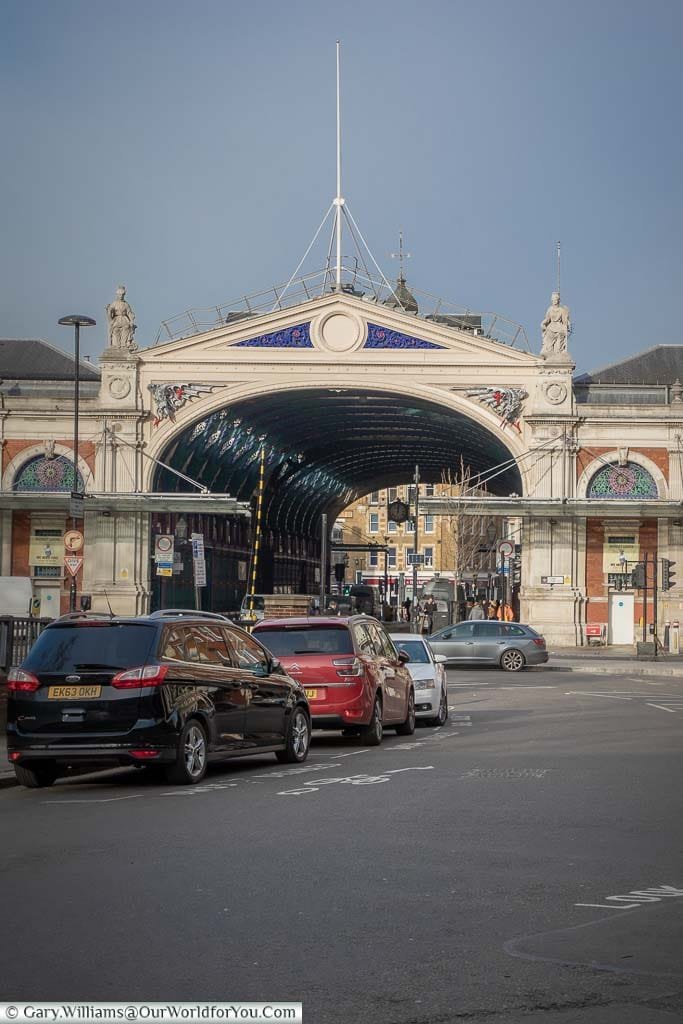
(661, 708)
(351, 753)
(528, 686)
(95, 800)
(636, 898)
(313, 786)
(579, 693)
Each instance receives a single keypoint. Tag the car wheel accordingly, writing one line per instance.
(298, 740)
(407, 728)
(38, 777)
(372, 734)
(190, 763)
(512, 660)
(440, 718)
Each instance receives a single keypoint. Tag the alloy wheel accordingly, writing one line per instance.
(195, 751)
(512, 661)
(300, 734)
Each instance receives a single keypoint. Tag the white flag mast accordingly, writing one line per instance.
(340, 211)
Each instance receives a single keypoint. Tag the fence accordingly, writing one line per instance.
(17, 637)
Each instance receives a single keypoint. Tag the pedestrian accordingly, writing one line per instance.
(428, 612)
(493, 610)
(405, 609)
(477, 612)
(507, 613)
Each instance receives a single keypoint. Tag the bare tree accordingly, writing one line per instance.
(472, 534)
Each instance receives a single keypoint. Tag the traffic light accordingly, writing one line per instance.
(516, 572)
(668, 580)
(638, 576)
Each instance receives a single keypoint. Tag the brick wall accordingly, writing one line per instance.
(596, 581)
(659, 456)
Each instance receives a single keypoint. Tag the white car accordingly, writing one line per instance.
(429, 676)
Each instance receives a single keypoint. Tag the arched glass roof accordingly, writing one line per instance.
(326, 447)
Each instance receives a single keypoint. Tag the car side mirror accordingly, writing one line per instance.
(440, 659)
(276, 667)
(403, 657)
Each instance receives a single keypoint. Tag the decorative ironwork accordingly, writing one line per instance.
(168, 398)
(630, 482)
(382, 337)
(290, 337)
(48, 474)
(506, 402)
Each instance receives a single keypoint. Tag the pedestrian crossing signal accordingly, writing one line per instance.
(668, 580)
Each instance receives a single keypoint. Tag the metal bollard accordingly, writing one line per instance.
(675, 639)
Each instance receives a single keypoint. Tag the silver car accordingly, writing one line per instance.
(485, 642)
(428, 674)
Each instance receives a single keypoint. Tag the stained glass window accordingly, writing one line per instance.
(42, 474)
(629, 482)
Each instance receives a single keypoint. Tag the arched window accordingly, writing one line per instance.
(629, 482)
(43, 474)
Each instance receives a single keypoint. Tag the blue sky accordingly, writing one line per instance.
(187, 149)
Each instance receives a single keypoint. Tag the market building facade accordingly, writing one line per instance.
(311, 404)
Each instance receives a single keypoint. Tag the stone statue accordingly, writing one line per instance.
(121, 322)
(555, 327)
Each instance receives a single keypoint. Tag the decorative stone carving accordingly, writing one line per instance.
(383, 337)
(49, 449)
(290, 337)
(168, 398)
(121, 322)
(677, 391)
(119, 387)
(556, 392)
(622, 456)
(555, 328)
(506, 402)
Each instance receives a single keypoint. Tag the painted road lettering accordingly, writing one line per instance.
(352, 780)
(637, 898)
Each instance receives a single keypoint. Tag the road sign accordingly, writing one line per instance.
(73, 540)
(506, 548)
(72, 564)
(198, 561)
(416, 559)
(164, 568)
(552, 579)
(76, 505)
(163, 547)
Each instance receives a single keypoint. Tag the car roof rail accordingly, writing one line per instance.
(188, 613)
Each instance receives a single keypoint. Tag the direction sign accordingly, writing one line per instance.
(72, 564)
(416, 559)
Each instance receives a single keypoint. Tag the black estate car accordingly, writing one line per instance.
(168, 690)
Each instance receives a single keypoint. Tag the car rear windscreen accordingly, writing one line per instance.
(101, 645)
(415, 648)
(315, 640)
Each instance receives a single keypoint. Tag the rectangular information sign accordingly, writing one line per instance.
(198, 561)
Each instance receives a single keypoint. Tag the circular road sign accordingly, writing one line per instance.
(73, 540)
(506, 548)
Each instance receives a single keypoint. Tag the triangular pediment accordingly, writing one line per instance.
(338, 326)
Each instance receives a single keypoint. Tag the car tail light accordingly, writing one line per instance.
(132, 678)
(347, 667)
(539, 641)
(15, 755)
(22, 682)
(145, 755)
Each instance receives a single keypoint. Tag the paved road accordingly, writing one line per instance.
(522, 864)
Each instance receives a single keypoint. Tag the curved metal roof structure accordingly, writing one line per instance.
(325, 447)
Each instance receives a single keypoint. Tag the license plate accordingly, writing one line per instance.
(73, 692)
(315, 694)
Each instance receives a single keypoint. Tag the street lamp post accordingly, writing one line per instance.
(78, 321)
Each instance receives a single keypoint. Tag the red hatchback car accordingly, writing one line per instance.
(354, 677)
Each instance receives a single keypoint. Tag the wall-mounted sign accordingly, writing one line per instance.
(45, 551)
(552, 580)
(618, 550)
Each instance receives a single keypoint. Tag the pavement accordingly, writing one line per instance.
(520, 865)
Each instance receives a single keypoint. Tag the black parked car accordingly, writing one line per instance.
(175, 691)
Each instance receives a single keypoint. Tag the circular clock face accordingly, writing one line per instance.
(73, 540)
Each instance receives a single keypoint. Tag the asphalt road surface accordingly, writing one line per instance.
(522, 864)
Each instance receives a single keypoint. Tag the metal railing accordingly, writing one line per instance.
(354, 282)
(17, 637)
